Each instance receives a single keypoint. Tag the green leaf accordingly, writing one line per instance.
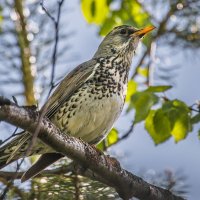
(107, 26)
(1, 18)
(162, 125)
(112, 137)
(158, 126)
(100, 146)
(142, 102)
(132, 87)
(160, 88)
(95, 11)
(142, 71)
(199, 134)
(147, 40)
(178, 114)
(181, 127)
(195, 119)
(173, 119)
(139, 15)
(93, 8)
(115, 18)
(130, 13)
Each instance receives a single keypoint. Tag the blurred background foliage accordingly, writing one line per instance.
(25, 45)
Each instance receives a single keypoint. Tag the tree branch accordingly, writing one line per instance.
(126, 184)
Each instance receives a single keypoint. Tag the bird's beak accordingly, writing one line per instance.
(144, 31)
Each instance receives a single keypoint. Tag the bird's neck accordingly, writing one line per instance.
(115, 68)
(124, 55)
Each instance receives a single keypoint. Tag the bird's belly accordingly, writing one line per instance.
(93, 118)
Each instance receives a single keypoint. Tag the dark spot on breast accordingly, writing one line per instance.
(119, 86)
(68, 116)
(74, 106)
(65, 110)
(76, 99)
(113, 50)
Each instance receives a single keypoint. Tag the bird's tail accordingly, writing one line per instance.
(16, 149)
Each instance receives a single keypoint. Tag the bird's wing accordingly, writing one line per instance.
(68, 85)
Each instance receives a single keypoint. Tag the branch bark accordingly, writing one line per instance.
(126, 184)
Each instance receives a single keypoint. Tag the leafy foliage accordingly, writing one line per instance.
(94, 11)
(158, 126)
(1, 17)
(142, 71)
(172, 119)
(142, 102)
(160, 88)
(111, 139)
(130, 12)
(132, 88)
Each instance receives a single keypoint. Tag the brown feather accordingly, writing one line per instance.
(68, 85)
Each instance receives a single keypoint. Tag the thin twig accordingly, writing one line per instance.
(150, 66)
(13, 135)
(127, 134)
(10, 182)
(140, 63)
(56, 25)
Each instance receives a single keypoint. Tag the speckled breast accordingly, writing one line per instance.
(92, 110)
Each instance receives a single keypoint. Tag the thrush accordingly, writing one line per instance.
(88, 100)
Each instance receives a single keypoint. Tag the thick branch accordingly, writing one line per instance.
(126, 184)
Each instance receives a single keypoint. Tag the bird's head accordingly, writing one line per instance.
(121, 39)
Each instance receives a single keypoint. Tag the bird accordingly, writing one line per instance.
(88, 100)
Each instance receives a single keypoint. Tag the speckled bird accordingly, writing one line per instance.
(88, 100)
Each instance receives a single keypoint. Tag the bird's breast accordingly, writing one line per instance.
(91, 112)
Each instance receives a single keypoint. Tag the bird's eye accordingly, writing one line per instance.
(123, 31)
